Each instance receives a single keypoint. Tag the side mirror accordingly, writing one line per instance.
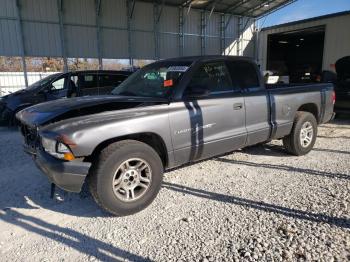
(196, 91)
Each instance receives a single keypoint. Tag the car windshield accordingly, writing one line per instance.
(43, 82)
(155, 80)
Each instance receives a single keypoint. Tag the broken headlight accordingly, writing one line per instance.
(56, 148)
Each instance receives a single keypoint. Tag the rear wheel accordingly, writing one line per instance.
(303, 135)
(126, 178)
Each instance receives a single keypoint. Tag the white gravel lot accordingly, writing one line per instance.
(253, 204)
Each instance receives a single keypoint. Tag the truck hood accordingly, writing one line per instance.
(61, 109)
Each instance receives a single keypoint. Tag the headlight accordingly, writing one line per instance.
(56, 149)
(49, 145)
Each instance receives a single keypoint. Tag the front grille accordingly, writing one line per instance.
(30, 134)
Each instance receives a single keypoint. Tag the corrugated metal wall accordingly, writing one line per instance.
(74, 28)
(337, 38)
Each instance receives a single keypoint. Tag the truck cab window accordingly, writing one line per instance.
(214, 77)
(243, 74)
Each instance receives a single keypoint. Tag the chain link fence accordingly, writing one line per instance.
(13, 81)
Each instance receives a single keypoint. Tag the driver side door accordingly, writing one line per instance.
(211, 123)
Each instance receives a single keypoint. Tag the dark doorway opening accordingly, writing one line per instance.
(297, 54)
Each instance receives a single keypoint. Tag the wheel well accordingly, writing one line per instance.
(311, 108)
(151, 139)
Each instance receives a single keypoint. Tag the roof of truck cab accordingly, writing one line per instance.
(208, 57)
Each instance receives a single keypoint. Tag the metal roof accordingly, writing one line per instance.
(249, 8)
(308, 20)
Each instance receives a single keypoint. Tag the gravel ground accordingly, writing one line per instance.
(253, 204)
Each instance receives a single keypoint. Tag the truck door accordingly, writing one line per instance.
(211, 118)
(257, 106)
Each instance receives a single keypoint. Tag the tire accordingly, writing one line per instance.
(293, 143)
(110, 167)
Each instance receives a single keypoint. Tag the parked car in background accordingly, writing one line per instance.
(167, 114)
(61, 85)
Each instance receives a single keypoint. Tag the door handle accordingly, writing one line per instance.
(237, 106)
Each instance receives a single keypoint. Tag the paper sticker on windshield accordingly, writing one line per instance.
(177, 68)
(168, 83)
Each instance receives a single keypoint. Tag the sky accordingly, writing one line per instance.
(303, 9)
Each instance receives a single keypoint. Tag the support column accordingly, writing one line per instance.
(203, 20)
(62, 38)
(256, 41)
(156, 18)
(98, 33)
(130, 5)
(222, 35)
(181, 32)
(22, 46)
(239, 32)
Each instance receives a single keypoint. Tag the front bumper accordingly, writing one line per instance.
(68, 175)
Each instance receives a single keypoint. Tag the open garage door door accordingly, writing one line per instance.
(297, 54)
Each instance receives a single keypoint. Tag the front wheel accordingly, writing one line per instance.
(303, 135)
(126, 178)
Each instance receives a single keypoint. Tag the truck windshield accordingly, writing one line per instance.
(155, 80)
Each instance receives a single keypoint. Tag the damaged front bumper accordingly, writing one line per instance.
(68, 175)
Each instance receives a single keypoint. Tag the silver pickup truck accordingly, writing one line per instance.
(167, 114)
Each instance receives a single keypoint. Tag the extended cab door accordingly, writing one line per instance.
(256, 100)
(211, 118)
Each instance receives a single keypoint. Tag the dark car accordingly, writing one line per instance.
(342, 87)
(60, 85)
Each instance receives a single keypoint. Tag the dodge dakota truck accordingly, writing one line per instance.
(167, 114)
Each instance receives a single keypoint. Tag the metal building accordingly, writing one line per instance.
(317, 42)
(129, 29)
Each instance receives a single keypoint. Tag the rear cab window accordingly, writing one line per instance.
(244, 75)
(213, 76)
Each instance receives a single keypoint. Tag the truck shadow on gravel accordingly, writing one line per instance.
(259, 205)
(274, 150)
(285, 168)
(334, 137)
(70, 238)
